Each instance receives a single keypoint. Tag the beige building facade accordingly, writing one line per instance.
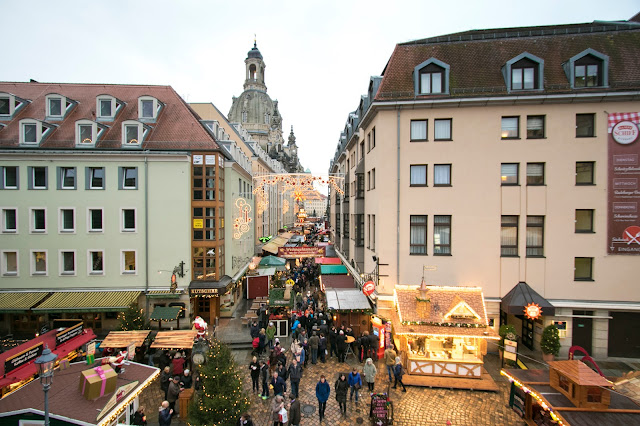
(491, 170)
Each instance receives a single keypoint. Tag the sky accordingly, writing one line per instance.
(319, 55)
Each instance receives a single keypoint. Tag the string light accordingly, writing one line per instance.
(537, 397)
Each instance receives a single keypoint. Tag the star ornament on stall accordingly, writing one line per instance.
(532, 311)
(299, 196)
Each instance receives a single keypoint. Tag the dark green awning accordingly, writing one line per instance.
(164, 313)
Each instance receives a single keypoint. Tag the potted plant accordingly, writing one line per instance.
(550, 343)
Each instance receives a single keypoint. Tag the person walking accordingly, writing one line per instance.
(277, 405)
(295, 374)
(355, 384)
(341, 343)
(322, 394)
(390, 361)
(398, 372)
(314, 345)
(295, 413)
(322, 348)
(270, 332)
(278, 385)
(254, 368)
(369, 372)
(165, 413)
(262, 341)
(342, 387)
(264, 378)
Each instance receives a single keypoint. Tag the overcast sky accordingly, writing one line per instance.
(319, 55)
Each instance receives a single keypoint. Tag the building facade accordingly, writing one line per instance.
(483, 159)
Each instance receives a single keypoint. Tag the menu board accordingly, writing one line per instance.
(68, 334)
(517, 400)
(379, 409)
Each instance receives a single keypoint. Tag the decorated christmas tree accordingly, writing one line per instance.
(132, 318)
(222, 400)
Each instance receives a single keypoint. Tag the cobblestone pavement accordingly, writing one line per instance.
(418, 406)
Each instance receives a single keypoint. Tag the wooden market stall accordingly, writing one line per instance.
(568, 393)
(166, 313)
(442, 333)
(122, 339)
(179, 339)
(349, 306)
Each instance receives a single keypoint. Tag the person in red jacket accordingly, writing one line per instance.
(178, 365)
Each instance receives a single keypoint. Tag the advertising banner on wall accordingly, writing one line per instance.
(623, 236)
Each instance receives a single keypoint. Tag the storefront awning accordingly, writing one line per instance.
(163, 294)
(522, 295)
(336, 281)
(210, 288)
(346, 300)
(328, 260)
(164, 313)
(16, 302)
(122, 339)
(333, 270)
(180, 339)
(88, 301)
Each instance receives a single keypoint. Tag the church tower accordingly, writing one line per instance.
(255, 70)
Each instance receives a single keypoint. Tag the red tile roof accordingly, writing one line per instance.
(177, 125)
(476, 58)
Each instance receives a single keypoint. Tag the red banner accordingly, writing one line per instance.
(294, 252)
(623, 226)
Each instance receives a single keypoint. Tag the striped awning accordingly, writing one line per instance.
(163, 294)
(88, 301)
(15, 302)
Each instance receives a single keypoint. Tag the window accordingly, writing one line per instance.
(535, 236)
(586, 75)
(418, 235)
(535, 174)
(373, 138)
(38, 262)
(509, 236)
(67, 220)
(149, 108)
(204, 181)
(563, 382)
(94, 178)
(524, 72)
(583, 269)
(585, 125)
(594, 394)
(208, 230)
(9, 263)
(372, 241)
(67, 262)
(588, 68)
(134, 133)
(128, 261)
(128, 220)
(95, 220)
(509, 173)
(441, 235)
(585, 172)
(359, 229)
(204, 263)
(131, 134)
(442, 175)
(522, 78)
(9, 177)
(38, 220)
(5, 105)
(108, 107)
(361, 150)
(418, 130)
(345, 223)
(535, 126)
(128, 177)
(9, 221)
(359, 185)
(510, 128)
(66, 178)
(37, 177)
(88, 133)
(368, 180)
(32, 132)
(55, 107)
(96, 262)
(10, 105)
(584, 221)
(442, 130)
(105, 108)
(419, 175)
(373, 178)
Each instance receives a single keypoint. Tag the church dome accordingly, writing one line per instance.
(254, 52)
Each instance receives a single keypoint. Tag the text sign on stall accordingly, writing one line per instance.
(68, 334)
(379, 410)
(91, 348)
(294, 252)
(18, 360)
(510, 349)
(517, 400)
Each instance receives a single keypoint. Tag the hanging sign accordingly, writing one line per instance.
(510, 349)
(295, 252)
(68, 334)
(22, 358)
(368, 288)
(532, 311)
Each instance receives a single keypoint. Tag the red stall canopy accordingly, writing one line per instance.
(328, 261)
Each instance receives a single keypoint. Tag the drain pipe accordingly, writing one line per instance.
(146, 234)
(398, 199)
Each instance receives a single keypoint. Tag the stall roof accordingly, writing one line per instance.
(264, 271)
(336, 281)
(165, 313)
(333, 269)
(122, 339)
(163, 294)
(177, 339)
(88, 301)
(272, 261)
(520, 296)
(580, 373)
(66, 400)
(346, 299)
(20, 301)
(328, 260)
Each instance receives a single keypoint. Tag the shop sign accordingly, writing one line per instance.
(532, 311)
(198, 223)
(368, 288)
(203, 291)
(295, 252)
(68, 334)
(623, 225)
(18, 360)
(510, 349)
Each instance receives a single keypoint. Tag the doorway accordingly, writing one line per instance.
(582, 331)
(527, 332)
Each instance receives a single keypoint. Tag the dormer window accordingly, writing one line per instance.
(108, 107)
(58, 106)
(588, 68)
(431, 78)
(148, 108)
(88, 132)
(133, 133)
(10, 104)
(32, 132)
(524, 72)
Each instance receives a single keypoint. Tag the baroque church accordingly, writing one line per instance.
(259, 115)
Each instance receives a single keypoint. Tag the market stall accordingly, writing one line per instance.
(349, 306)
(178, 339)
(166, 313)
(328, 260)
(441, 331)
(258, 282)
(336, 281)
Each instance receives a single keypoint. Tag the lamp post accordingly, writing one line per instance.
(45, 364)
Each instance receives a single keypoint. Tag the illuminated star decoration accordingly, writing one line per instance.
(298, 196)
(241, 223)
(532, 311)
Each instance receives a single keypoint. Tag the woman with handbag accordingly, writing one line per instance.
(369, 372)
(355, 384)
(277, 406)
(398, 373)
(341, 387)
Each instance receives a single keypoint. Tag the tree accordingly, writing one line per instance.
(550, 341)
(132, 318)
(222, 399)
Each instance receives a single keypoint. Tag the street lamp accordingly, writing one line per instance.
(45, 364)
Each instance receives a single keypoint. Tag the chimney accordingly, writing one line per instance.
(423, 305)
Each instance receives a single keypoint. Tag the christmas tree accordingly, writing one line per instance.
(132, 319)
(222, 400)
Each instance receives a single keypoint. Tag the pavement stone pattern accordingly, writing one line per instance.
(418, 406)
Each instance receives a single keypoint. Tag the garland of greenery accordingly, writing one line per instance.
(422, 300)
(445, 324)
